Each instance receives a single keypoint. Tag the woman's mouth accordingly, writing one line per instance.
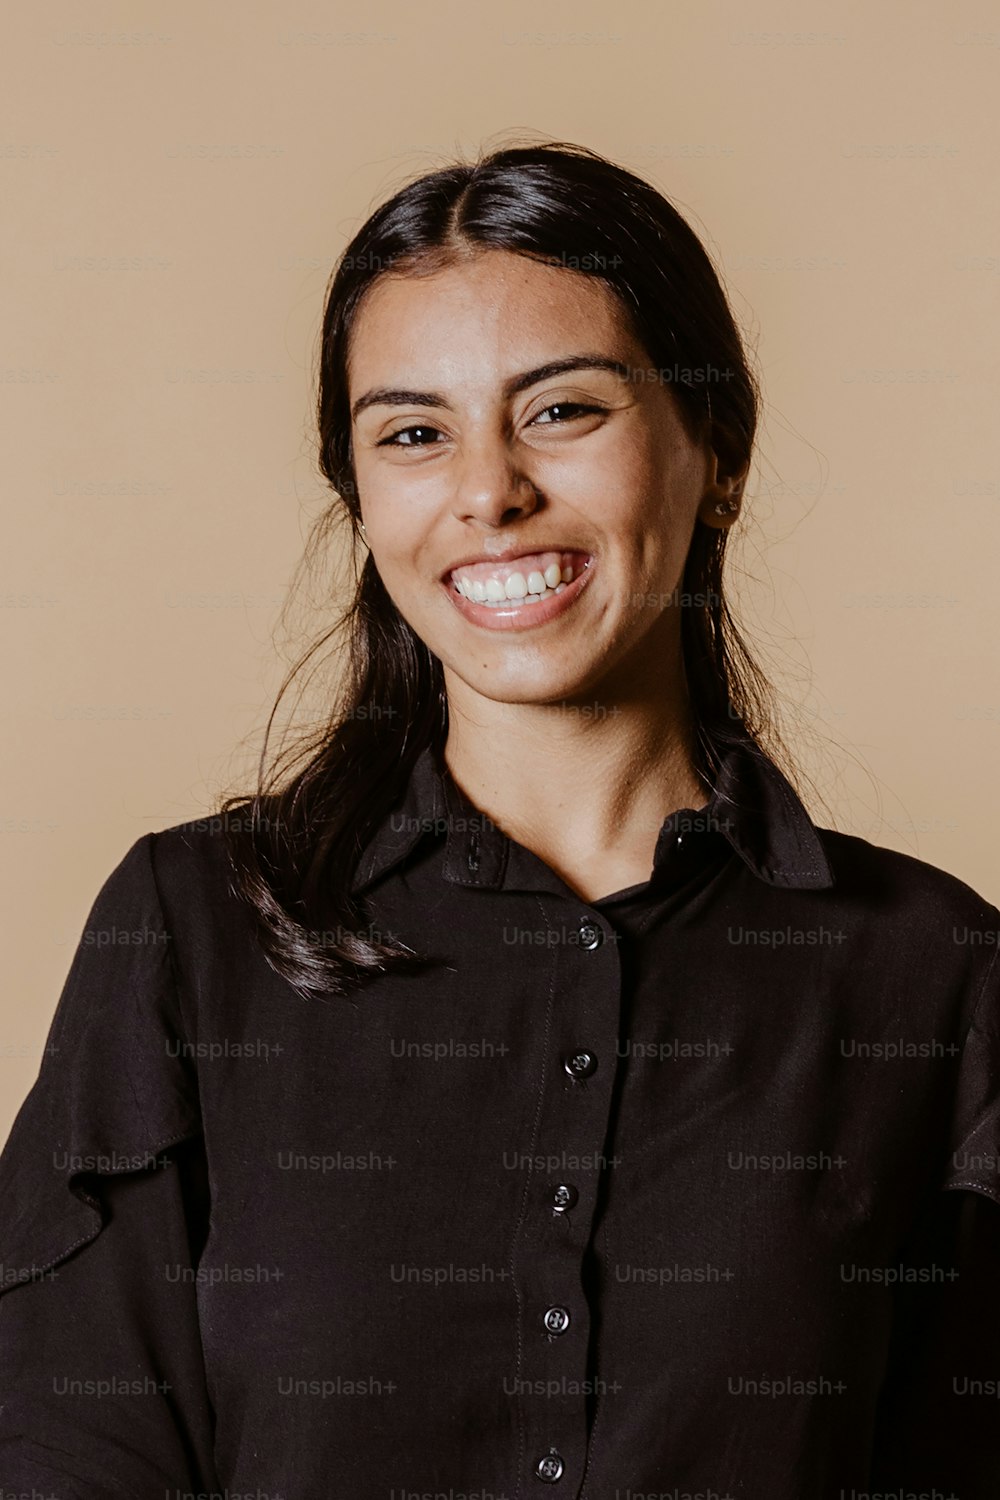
(520, 594)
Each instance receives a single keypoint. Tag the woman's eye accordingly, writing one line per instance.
(392, 441)
(567, 408)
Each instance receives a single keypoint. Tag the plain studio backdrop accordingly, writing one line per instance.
(177, 183)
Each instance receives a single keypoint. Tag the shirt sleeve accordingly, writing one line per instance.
(938, 1429)
(974, 1162)
(104, 1209)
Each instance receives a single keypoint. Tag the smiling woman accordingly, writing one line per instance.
(643, 1137)
(536, 451)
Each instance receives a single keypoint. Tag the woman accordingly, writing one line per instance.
(525, 1092)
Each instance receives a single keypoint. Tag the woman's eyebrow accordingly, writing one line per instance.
(394, 396)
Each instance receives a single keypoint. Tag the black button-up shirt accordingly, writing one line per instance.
(689, 1191)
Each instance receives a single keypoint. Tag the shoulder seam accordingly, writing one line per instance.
(180, 990)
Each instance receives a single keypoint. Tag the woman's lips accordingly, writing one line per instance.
(521, 614)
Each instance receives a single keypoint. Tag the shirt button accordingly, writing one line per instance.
(590, 935)
(579, 1064)
(563, 1196)
(550, 1467)
(556, 1320)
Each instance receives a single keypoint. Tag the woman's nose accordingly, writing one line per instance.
(491, 482)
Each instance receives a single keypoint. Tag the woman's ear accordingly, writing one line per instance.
(720, 503)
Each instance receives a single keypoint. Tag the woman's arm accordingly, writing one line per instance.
(102, 1381)
(104, 1211)
(939, 1416)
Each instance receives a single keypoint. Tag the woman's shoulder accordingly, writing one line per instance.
(167, 921)
(901, 892)
(182, 869)
(191, 860)
(180, 859)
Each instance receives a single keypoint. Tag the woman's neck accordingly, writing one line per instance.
(587, 795)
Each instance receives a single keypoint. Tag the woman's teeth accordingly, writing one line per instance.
(530, 588)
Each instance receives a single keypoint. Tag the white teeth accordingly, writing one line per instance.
(536, 586)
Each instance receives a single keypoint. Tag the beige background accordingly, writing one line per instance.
(177, 182)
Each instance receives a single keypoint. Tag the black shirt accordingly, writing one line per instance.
(689, 1191)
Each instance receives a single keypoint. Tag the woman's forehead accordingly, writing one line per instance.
(507, 306)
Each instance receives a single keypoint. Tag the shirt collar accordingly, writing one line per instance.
(753, 805)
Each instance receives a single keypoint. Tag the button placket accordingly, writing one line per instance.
(570, 1140)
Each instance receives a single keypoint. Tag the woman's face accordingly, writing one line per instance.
(465, 449)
